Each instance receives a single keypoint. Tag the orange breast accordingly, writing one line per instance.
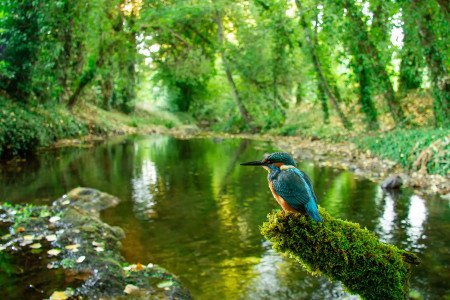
(284, 205)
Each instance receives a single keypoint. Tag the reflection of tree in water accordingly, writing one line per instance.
(402, 218)
(279, 277)
(417, 216)
(141, 190)
(105, 167)
(387, 220)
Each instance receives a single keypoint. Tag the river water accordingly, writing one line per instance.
(188, 206)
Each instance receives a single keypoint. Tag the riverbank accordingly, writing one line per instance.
(348, 156)
(419, 157)
(65, 250)
(24, 129)
(343, 155)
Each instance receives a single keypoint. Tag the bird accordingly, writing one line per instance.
(290, 186)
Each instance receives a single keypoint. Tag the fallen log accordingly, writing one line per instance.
(343, 251)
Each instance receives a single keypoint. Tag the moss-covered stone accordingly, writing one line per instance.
(88, 250)
(342, 251)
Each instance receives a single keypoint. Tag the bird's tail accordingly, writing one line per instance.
(311, 209)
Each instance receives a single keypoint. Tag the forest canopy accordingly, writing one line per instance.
(234, 65)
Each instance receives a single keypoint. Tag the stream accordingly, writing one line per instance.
(188, 206)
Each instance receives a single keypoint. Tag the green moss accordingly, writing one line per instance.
(342, 251)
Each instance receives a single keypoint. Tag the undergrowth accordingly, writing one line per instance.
(24, 128)
(413, 149)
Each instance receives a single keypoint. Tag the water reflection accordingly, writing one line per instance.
(267, 283)
(142, 187)
(187, 205)
(387, 220)
(417, 216)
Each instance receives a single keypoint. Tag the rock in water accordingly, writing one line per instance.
(85, 247)
(392, 182)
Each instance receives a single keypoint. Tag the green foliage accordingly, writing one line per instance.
(407, 146)
(23, 128)
(53, 50)
(18, 46)
(307, 124)
(243, 75)
(68, 263)
(185, 62)
(342, 251)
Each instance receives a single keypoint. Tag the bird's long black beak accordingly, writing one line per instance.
(254, 163)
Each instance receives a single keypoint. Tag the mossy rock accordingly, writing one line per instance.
(342, 251)
(102, 272)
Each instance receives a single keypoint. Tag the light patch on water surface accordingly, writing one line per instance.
(386, 222)
(274, 280)
(267, 283)
(417, 216)
(142, 186)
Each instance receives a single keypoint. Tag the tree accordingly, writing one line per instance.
(429, 24)
(324, 87)
(370, 61)
(19, 41)
(243, 111)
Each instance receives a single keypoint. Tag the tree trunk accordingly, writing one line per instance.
(434, 58)
(127, 105)
(85, 79)
(367, 48)
(410, 66)
(323, 101)
(317, 66)
(87, 76)
(367, 105)
(243, 111)
(299, 94)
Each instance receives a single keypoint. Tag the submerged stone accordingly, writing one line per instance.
(85, 247)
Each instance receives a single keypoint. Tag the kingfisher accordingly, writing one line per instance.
(290, 186)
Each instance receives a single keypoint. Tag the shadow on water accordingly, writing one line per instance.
(188, 206)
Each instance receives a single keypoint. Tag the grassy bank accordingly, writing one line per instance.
(425, 149)
(24, 129)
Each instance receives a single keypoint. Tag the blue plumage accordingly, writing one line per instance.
(295, 188)
(290, 186)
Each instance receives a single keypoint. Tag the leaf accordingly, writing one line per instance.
(28, 237)
(54, 252)
(51, 237)
(165, 284)
(81, 259)
(6, 236)
(99, 249)
(54, 219)
(57, 295)
(73, 248)
(36, 246)
(130, 289)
